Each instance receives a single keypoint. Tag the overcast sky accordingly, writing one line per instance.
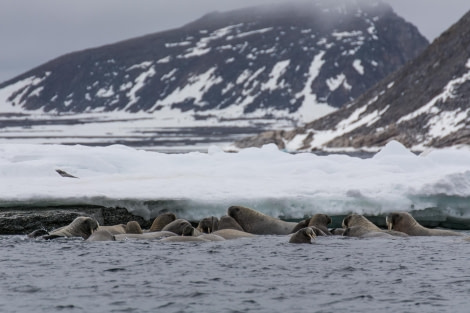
(35, 31)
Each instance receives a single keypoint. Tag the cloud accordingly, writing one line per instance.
(34, 32)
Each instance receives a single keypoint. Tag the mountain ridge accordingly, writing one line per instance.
(423, 104)
(284, 68)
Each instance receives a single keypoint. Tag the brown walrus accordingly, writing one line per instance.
(132, 227)
(304, 235)
(101, 235)
(258, 223)
(161, 221)
(404, 222)
(182, 227)
(362, 226)
(228, 222)
(114, 229)
(82, 226)
(208, 224)
(229, 234)
(319, 221)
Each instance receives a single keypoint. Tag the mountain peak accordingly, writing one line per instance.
(424, 104)
(277, 65)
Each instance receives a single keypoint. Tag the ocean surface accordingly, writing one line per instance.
(262, 274)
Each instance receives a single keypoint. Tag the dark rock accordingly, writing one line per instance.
(24, 220)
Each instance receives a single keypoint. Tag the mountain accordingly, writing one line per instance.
(424, 104)
(278, 65)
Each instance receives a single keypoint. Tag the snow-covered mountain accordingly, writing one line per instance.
(275, 66)
(424, 104)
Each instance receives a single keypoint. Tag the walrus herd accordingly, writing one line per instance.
(242, 222)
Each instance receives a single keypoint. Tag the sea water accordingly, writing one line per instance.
(261, 274)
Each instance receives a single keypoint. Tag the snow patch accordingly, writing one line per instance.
(358, 66)
(334, 82)
(448, 92)
(139, 82)
(278, 70)
(195, 89)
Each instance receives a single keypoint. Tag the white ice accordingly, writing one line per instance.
(272, 181)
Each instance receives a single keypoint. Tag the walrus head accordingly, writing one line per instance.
(89, 226)
(320, 219)
(300, 225)
(304, 235)
(245, 217)
(132, 227)
(208, 224)
(400, 220)
(358, 220)
(161, 221)
(180, 227)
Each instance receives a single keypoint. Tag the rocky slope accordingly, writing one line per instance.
(424, 104)
(290, 62)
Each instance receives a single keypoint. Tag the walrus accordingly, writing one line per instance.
(228, 222)
(363, 232)
(184, 239)
(212, 237)
(304, 235)
(208, 224)
(82, 226)
(356, 220)
(337, 231)
(232, 234)
(321, 221)
(156, 235)
(317, 231)
(359, 220)
(300, 225)
(114, 229)
(404, 222)
(181, 227)
(258, 223)
(101, 235)
(132, 227)
(161, 221)
(38, 233)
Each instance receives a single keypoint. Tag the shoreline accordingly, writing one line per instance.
(24, 219)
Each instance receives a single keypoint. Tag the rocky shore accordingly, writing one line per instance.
(21, 220)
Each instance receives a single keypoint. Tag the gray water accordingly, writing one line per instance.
(263, 274)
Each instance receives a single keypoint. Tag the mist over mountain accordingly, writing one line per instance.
(424, 104)
(276, 66)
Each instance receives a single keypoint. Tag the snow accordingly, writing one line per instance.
(250, 33)
(18, 89)
(143, 65)
(334, 82)
(342, 35)
(202, 48)
(195, 89)
(358, 66)
(311, 109)
(278, 70)
(105, 93)
(139, 83)
(266, 179)
(446, 123)
(448, 92)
